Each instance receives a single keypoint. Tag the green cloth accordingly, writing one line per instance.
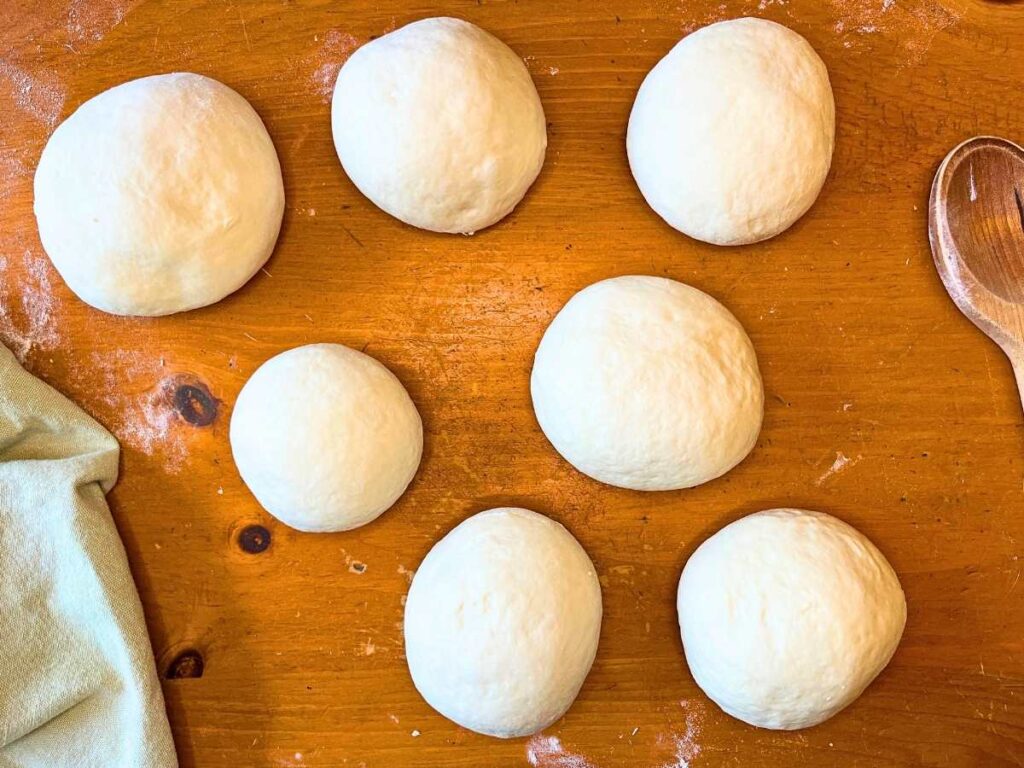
(78, 686)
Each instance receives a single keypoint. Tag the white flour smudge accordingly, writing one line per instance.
(88, 21)
(335, 48)
(27, 307)
(855, 22)
(914, 27)
(686, 746)
(39, 97)
(842, 462)
(136, 399)
(548, 752)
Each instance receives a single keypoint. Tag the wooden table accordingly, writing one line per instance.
(884, 405)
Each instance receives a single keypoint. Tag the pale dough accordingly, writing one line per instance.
(159, 195)
(440, 125)
(502, 622)
(731, 135)
(325, 437)
(787, 615)
(649, 384)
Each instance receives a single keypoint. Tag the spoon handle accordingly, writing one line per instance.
(1016, 355)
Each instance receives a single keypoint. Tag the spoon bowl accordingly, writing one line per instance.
(976, 228)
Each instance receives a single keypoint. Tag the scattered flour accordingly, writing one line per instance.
(323, 65)
(547, 752)
(912, 26)
(31, 104)
(27, 305)
(686, 746)
(88, 21)
(135, 396)
(39, 96)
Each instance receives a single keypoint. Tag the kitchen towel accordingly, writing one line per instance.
(78, 686)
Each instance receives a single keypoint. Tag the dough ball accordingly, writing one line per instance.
(160, 195)
(502, 622)
(731, 135)
(787, 616)
(649, 384)
(439, 124)
(325, 437)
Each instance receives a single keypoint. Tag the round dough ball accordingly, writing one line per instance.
(787, 616)
(325, 437)
(649, 384)
(160, 195)
(439, 124)
(502, 622)
(731, 135)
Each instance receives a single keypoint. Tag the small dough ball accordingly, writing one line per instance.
(440, 125)
(731, 135)
(502, 622)
(325, 437)
(787, 616)
(160, 195)
(649, 384)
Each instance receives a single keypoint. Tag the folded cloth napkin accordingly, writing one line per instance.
(78, 686)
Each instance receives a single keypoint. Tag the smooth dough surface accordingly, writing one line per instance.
(439, 124)
(159, 195)
(502, 622)
(325, 437)
(649, 384)
(787, 615)
(731, 135)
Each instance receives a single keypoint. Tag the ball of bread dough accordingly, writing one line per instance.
(160, 195)
(439, 124)
(502, 622)
(649, 384)
(787, 616)
(325, 437)
(731, 135)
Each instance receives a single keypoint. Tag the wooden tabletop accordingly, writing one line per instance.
(884, 407)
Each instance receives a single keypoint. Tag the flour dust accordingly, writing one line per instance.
(685, 743)
(27, 306)
(136, 404)
(913, 26)
(89, 21)
(547, 752)
(334, 48)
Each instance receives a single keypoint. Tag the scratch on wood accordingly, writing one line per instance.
(245, 32)
(841, 463)
(355, 239)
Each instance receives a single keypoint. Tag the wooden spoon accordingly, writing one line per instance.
(976, 228)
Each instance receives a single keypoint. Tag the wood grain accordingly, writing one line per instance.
(864, 357)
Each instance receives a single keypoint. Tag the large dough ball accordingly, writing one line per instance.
(787, 616)
(160, 195)
(731, 135)
(439, 124)
(502, 622)
(325, 437)
(646, 383)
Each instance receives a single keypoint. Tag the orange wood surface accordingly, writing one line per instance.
(885, 406)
